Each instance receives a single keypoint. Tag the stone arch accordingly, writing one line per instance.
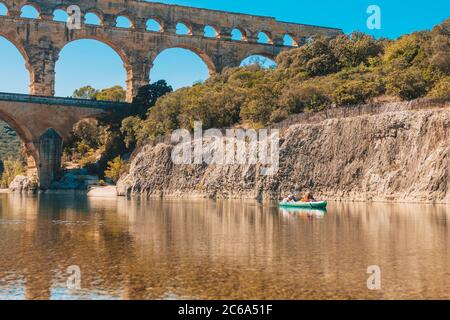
(211, 31)
(127, 16)
(259, 52)
(209, 62)
(60, 9)
(185, 24)
(157, 21)
(242, 33)
(24, 134)
(98, 13)
(33, 5)
(289, 40)
(265, 37)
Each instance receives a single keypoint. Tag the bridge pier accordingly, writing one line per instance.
(50, 151)
(138, 74)
(41, 64)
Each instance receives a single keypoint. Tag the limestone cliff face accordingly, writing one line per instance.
(399, 153)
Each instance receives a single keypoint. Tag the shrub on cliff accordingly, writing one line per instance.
(358, 48)
(116, 168)
(407, 84)
(314, 59)
(11, 169)
(303, 98)
(441, 89)
(356, 92)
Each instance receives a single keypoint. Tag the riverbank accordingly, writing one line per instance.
(390, 152)
(93, 191)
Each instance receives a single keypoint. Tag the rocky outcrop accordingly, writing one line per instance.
(400, 154)
(21, 184)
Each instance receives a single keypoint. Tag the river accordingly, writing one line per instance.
(204, 249)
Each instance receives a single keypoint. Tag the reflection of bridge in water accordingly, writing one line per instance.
(41, 40)
(45, 123)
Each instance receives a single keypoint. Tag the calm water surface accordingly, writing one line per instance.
(130, 249)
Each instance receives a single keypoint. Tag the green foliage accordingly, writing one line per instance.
(11, 169)
(401, 53)
(407, 84)
(90, 133)
(441, 89)
(86, 92)
(130, 130)
(355, 92)
(148, 95)
(115, 93)
(301, 98)
(358, 48)
(10, 144)
(116, 168)
(313, 59)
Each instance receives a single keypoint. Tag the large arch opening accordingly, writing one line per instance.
(88, 62)
(260, 60)
(181, 67)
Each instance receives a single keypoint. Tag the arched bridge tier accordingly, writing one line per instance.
(45, 123)
(41, 40)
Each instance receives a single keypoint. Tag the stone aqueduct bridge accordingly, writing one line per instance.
(44, 122)
(41, 40)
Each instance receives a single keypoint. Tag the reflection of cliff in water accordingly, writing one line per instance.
(229, 249)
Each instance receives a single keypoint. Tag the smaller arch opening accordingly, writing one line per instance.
(3, 10)
(211, 32)
(92, 19)
(183, 29)
(60, 15)
(123, 22)
(154, 25)
(29, 12)
(264, 37)
(238, 35)
(259, 60)
(289, 41)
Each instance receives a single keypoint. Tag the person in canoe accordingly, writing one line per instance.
(290, 198)
(309, 197)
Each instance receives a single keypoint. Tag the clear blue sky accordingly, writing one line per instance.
(90, 62)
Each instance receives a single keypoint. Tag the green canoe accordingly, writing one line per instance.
(306, 205)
